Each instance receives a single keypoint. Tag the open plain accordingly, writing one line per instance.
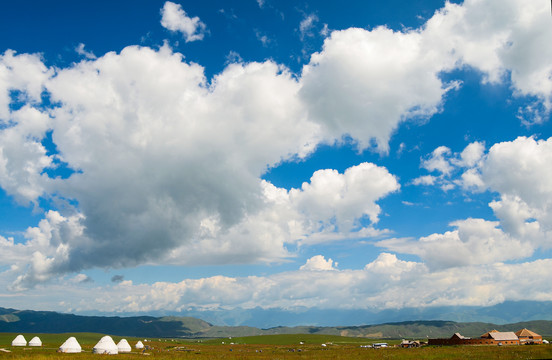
(269, 347)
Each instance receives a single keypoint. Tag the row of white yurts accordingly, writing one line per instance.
(21, 341)
(106, 345)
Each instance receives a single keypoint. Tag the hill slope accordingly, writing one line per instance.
(171, 326)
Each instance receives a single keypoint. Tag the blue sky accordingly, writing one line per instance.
(274, 154)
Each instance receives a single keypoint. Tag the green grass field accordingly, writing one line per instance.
(267, 347)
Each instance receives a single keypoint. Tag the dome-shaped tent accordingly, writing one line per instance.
(19, 341)
(106, 345)
(35, 341)
(124, 346)
(139, 345)
(70, 345)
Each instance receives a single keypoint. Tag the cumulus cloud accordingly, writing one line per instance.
(364, 83)
(318, 263)
(503, 39)
(81, 279)
(331, 207)
(473, 242)
(438, 161)
(518, 170)
(518, 173)
(385, 283)
(68, 244)
(471, 155)
(424, 180)
(175, 19)
(152, 180)
(150, 133)
(449, 165)
(344, 198)
(23, 157)
(23, 75)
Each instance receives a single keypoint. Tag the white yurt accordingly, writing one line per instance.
(139, 345)
(124, 346)
(19, 341)
(35, 341)
(106, 345)
(70, 345)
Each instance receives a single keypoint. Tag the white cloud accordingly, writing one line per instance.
(80, 279)
(325, 30)
(471, 180)
(519, 173)
(69, 244)
(518, 170)
(424, 180)
(344, 198)
(174, 18)
(364, 83)
(471, 155)
(385, 283)
(105, 130)
(504, 39)
(307, 25)
(23, 157)
(128, 131)
(329, 208)
(318, 263)
(448, 164)
(233, 57)
(87, 54)
(263, 38)
(145, 139)
(439, 160)
(473, 242)
(521, 168)
(24, 73)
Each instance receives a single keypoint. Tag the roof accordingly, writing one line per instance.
(458, 336)
(504, 336)
(526, 333)
(487, 335)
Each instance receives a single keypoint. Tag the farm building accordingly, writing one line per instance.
(492, 337)
(503, 338)
(410, 344)
(529, 337)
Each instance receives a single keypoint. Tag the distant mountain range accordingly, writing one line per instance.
(504, 313)
(27, 321)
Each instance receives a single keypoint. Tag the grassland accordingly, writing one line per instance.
(268, 347)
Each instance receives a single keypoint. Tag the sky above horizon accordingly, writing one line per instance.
(159, 155)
